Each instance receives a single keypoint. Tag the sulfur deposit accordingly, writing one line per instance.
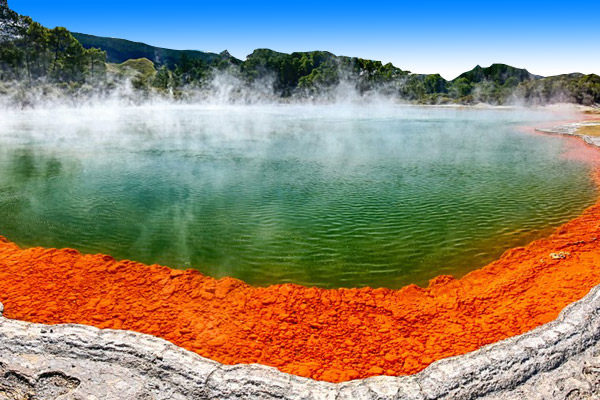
(329, 335)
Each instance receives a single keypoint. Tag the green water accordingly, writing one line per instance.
(328, 196)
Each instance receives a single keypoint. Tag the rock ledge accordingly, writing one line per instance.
(559, 360)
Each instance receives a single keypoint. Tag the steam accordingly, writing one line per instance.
(228, 87)
(189, 166)
(221, 87)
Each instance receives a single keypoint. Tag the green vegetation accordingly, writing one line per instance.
(499, 74)
(120, 50)
(315, 71)
(140, 72)
(573, 88)
(32, 54)
(37, 54)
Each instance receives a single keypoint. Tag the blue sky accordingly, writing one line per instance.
(421, 36)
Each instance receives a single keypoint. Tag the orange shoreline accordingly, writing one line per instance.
(327, 334)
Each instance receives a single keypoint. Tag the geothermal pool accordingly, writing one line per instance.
(329, 196)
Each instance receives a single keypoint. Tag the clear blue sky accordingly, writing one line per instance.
(422, 36)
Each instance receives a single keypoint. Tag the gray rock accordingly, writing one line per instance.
(12, 25)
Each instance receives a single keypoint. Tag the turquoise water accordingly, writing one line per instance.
(328, 196)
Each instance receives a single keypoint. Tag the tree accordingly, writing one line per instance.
(162, 78)
(96, 60)
(435, 84)
(74, 65)
(37, 55)
(60, 39)
(461, 87)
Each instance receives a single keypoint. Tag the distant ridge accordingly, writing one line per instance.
(498, 73)
(54, 57)
(121, 50)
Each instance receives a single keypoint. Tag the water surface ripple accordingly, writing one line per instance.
(330, 196)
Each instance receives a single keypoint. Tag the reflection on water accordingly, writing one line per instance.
(328, 197)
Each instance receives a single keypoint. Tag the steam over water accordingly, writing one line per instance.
(328, 196)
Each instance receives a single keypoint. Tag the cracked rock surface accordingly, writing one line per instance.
(559, 360)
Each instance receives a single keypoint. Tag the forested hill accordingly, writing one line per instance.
(56, 60)
(121, 50)
(34, 54)
(498, 73)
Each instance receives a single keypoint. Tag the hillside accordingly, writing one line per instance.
(498, 73)
(121, 50)
(37, 56)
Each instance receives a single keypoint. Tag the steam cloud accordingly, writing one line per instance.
(228, 88)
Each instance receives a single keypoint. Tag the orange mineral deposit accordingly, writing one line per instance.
(331, 335)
